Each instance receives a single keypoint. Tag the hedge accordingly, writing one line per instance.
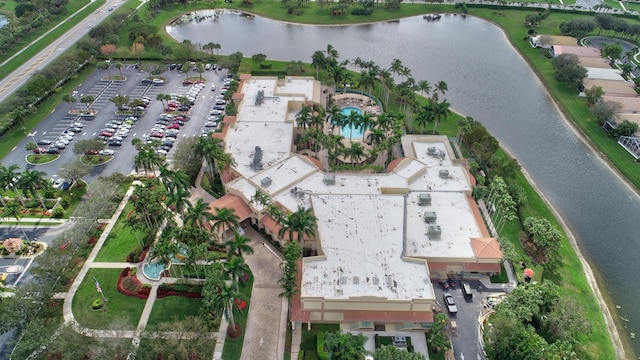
(322, 355)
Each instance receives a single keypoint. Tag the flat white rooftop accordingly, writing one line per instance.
(604, 73)
(274, 138)
(362, 242)
(455, 218)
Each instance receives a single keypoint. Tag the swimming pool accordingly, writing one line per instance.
(153, 270)
(348, 131)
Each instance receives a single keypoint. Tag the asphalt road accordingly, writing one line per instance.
(18, 77)
(465, 341)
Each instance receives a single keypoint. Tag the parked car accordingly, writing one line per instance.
(107, 152)
(114, 143)
(53, 150)
(173, 126)
(450, 303)
(158, 81)
(146, 81)
(106, 134)
(172, 66)
(157, 134)
(90, 152)
(60, 145)
(39, 150)
(44, 142)
(210, 124)
(207, 66)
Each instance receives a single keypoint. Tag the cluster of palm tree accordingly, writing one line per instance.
(381, 133)
(25, 185)
(394, 82)
(213, 154)
(147, 158)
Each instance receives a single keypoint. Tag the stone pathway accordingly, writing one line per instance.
(266, 328)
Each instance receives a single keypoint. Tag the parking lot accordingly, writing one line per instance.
(57, 126)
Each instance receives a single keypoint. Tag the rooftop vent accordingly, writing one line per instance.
(265, 182)
(424, 199)
(343, 280)
(356, 280)
(329, 179)
(434, 230)
(444, 174)
(375, 280)
(259, 98)
(256, 164)
(430, 216)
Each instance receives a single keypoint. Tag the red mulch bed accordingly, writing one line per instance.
(143, 254)
(141, 293)
(165, 293)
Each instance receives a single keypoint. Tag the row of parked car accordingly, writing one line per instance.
(168, 124)
(217, 108)
(60, 143)
(116, 130)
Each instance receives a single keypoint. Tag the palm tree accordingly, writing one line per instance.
(30, 181)
(13, 210)
(216, 47)
(180, 200)
(88, 99)
(69, 99)
(424, 115)
(198, 215)
(238, 246)
(225, 219)
(302, 222)
(165, 248)
(208, 148)
(162, 98)
(425, 87)
(441, 111)
(224, 302)
(8, 177)
(332, 54)
(334, 145)
(235, 267)
(118, 65)
(366, 120)
(376, 136)
(353, 120)
(355, 153)
(303, 117)
(440, 88)
(175, 181)
(396, 66)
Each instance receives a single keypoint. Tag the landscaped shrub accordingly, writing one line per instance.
(301, 355)
(322, 355)
(58, 212)
(130, 285)
(133, 271)
(97, 304)
(65, 201)
(362, 12)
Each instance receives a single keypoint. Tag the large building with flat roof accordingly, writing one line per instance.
(381, 237)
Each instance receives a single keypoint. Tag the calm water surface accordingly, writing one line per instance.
(489, 81)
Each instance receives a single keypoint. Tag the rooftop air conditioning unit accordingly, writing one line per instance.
(444, 174)
(329, 179)
(424, 199)
(434, 230)
(430, 216)
(265, 182)
(431, 150)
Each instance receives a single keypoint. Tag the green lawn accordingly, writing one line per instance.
(41, 159)
(233, 347)
(170, 309)
(121, 312)
(120, 242)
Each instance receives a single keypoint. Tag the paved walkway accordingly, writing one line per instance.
(266, 327)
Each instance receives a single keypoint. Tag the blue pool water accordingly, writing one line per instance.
(348, 131)
(153, 270)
